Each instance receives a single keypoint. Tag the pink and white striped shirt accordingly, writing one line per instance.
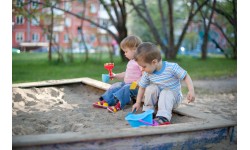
(133, 72)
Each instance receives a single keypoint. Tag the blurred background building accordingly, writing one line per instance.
(32, 31)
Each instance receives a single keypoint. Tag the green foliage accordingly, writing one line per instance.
(137, 26)
(31, 67)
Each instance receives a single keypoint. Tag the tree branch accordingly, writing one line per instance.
(109, 13)
(163, 20)
(221, 30)
(84, 18)
(191, 15)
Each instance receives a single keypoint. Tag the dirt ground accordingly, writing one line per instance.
(68, 108)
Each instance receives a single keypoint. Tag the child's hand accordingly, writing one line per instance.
(190, 96)
(112, 76)
(136, 107)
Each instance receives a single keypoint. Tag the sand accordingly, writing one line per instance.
(68, 108)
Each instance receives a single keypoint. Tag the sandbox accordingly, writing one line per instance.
(58, 114)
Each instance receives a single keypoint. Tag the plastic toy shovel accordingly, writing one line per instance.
(109, 67)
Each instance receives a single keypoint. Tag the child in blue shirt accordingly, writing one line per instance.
(160, 83)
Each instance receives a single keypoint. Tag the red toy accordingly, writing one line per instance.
(109, 67)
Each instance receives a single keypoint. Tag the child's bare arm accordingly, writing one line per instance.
(140, 94)
(119, 75)
(189, 83)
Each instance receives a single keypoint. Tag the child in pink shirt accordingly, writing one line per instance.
(119, 94)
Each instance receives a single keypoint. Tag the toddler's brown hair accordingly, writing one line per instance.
(147, 52)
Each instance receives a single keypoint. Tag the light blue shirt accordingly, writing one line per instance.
(169, 76)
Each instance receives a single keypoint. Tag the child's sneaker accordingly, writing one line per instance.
(160, 120)
(115, 108)
(101, 104)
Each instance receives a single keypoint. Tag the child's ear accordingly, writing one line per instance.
(155, 61)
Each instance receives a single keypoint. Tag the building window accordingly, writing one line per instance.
(46, 37)
(34, 5)
(104, 22)
(67, 22)
(79, 37)
(67, 6)
(92, 38)
(66, 38)
(19, 3)
(92, 8)
(19, 37)
(35, 37)
(19, 19)
(56, 38)
(35, 21)
(105, 39)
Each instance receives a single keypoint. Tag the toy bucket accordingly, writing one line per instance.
(105, 78)
(143, 119)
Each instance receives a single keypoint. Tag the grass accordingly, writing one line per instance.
(31, 67)
(213, 67)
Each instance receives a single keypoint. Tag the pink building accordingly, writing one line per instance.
(32, 33)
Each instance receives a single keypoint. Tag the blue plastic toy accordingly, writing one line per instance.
(143, 119)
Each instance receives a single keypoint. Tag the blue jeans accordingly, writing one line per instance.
(119, 91)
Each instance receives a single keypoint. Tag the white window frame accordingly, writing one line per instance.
(66, 38)
(18, 36)
(35, 5)
(35, 37)
(19, 3)
(35, 21)
(93, 8)
(56, 38)
(19, 19)
(67, 6)
(67, 22)
(46, 37)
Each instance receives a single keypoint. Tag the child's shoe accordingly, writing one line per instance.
(115, 108)
(101, 104)
(160, 120)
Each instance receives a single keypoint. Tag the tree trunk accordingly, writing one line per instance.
(171, 30)
(204, 46)
(123, 33)
(206, 33)
(51, 34)
(82, 36)
(235, 29)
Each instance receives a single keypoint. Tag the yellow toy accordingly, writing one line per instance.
(133, 85)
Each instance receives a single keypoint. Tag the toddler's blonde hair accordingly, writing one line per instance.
(131, 42)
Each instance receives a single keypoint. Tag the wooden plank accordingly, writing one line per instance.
(88, 81)
(119, 133)
(96, 83)
(194, 112)
(172, 140)
(47, 83)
